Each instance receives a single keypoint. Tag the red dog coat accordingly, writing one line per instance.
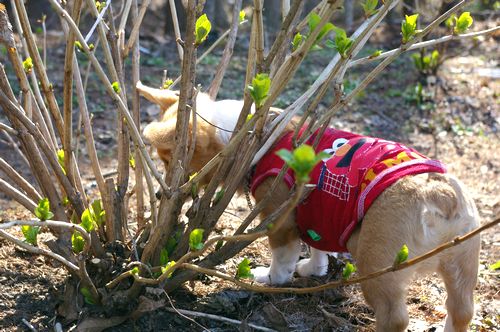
(347, 183)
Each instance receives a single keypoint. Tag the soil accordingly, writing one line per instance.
(455, 119)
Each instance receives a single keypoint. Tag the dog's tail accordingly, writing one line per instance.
(449, 209)
(465, 206)
(162, 97)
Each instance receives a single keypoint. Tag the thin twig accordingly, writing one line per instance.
(218, 318)
(139, 169)
(8, 129)
(135, 29)
(335, 284)
(213, 90)
(177, 30)
(98, 20)
(19, 180)
(423, 44)
(16, 195)
(181, 312)
(29, 325)
(36, 250)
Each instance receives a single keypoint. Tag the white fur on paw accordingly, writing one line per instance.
(308, 268)
(261, 274)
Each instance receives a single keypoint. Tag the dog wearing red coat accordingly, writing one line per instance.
(379, 194)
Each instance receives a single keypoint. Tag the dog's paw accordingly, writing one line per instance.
(261, 275)
(308, 268)
(268, 276)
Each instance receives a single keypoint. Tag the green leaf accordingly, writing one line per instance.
(42, 211)
(202, 29)
(77, 242)
(218, 196)
(30, 234)
(28, 65)
(172, 242)
(417, 61)
(135, 271)
(375, 54)
(116, 87)
(402, 255)
(342, 43)
(324, 31)
(369, 7)
(87, 221)
(87, 296)
(196, 239)
(302, 160)
(242, 16)
(163, 256)
(304, 154)
(450, 21)
(259, 89)
(244, 270)
(100, 5)
(463, 23)
(97, 212)
(194, 186)
(297, 40)
(286, 155)
(409, 27)
(313, 21)
(168, 82)
(434, 59)
(249, 117)
(348, 270)
(167, 267)
(79, 46)
(495, 266)
(60, 159)
(131, 161)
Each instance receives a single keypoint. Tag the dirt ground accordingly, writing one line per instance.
(456, 119)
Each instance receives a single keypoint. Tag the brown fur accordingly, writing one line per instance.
(162, 134)
(420, 211)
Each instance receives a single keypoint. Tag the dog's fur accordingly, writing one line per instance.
(420, 211)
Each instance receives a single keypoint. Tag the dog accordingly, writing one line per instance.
(421, 207)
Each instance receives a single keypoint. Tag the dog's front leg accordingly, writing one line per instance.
(284, 242)
(316, 265)
(282, 266)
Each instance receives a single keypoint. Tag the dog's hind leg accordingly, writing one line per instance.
(458, 269)
(387, 296)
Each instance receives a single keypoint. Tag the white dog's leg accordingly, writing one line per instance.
(282, 266)
(316, 265)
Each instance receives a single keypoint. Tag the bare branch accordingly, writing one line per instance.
(423, 44)
(8, 129)
(177, 30)
(228, 52)
(16, 195)
(20, 181)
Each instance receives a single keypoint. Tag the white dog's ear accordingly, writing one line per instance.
(162, 97)
(161, 134)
